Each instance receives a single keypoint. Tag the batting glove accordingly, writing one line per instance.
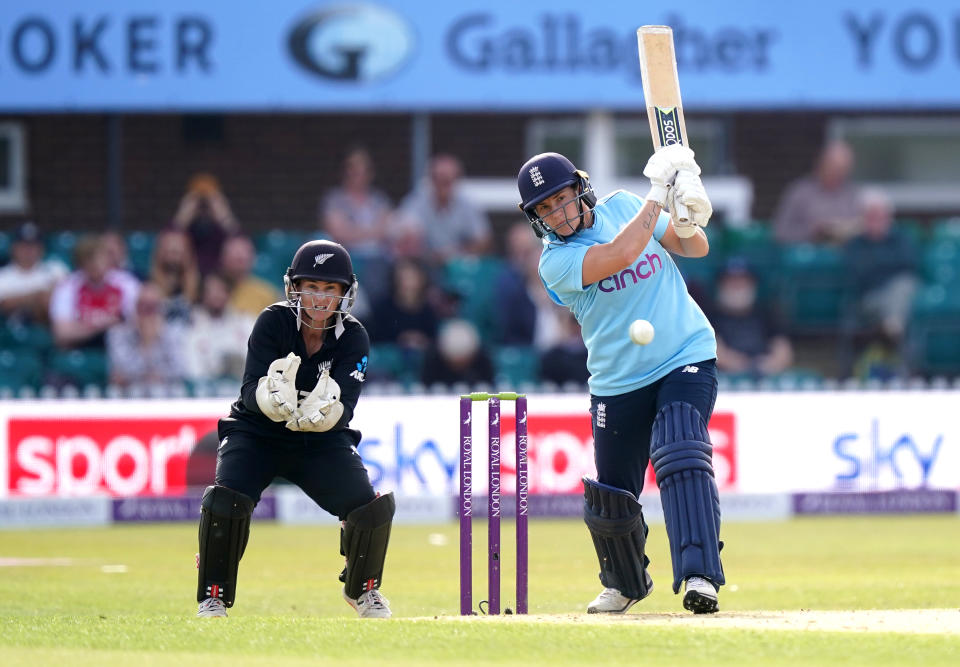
(689, 196)
(662, 168)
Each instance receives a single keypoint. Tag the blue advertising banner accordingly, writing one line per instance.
(396, 55)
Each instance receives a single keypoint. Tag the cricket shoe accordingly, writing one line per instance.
(700, 596)
(611, 601)
(370, 604)
(212, 608)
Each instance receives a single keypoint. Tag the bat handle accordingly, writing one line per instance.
(681, 214)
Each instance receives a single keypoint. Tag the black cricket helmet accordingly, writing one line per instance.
(544, 175)
(323, 261)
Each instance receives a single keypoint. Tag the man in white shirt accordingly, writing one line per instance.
(26, 282)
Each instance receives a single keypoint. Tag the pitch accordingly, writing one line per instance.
(814, 591)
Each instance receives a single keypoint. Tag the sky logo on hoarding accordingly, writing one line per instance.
(355, 43)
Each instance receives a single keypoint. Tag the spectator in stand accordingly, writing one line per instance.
(823, 207)
(27, 281)
(174, 271)
(566, 361)
(248, 294)
(216, 341)
(883, 265)
(749, 341)
(205, 215)
(525, 314)
(457, 357)
(448, 222)
(146, 349)
(91, 299)
(406, 316)
(357, 215)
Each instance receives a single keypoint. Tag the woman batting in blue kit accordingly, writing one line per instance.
(609, 262)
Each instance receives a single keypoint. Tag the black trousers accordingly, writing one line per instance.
(331, 472)
(623, 424)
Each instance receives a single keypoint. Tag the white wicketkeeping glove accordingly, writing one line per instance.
(319, 410)
(277, 390)
(662, 168)
(688, 195)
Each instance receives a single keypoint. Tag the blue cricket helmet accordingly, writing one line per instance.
(544, 175)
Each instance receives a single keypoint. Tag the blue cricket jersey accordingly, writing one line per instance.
(651, 288)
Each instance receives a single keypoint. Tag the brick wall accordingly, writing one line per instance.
(274, 167)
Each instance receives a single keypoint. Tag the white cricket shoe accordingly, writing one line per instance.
(700, 596)
(611, 601)
(371, 604)
(212, 608)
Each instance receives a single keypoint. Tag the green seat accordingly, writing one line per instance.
(60, 246)
(813, 290)
(941, 262)
(140, 248)
(282, 244)
(516, 365)
(394, 363)
(18, 336)
(933, 335)
(268, 266)
(946, 230)
(474, 279)
(4, 248)
(80, 367)
(20, 368)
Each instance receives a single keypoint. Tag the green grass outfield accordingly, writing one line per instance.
(124, 595)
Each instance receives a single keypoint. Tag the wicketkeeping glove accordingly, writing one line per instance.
(319, 410)
(688, 194)
(277, 390)
(662, 168)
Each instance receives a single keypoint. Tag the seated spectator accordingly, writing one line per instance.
(448, 222)
(823, 207)
(216, 341)
(357, 215)
(174, 271)
(525, 314)
(248, 293)
(406, 316)
(457, 357)
(27, 281)
(566, 361)
(204, 213)
(89, 301)
(145, 350)
(883, 270)
(749, 340)
(117, 250)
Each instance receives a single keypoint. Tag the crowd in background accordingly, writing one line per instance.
(446, 300)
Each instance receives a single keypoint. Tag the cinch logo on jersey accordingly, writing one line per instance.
(320, 259)
(361, 371)
(644, 269)
(536, 177)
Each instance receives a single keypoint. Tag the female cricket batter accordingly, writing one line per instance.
(306, 361)
(608, 261)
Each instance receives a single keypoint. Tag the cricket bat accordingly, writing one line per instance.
(661, 92)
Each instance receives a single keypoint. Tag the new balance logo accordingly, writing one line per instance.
(320, 259)
(536, 177)
(690, 369)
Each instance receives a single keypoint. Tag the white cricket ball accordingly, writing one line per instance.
(641, 332)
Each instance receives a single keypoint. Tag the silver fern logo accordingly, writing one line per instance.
(320, 259)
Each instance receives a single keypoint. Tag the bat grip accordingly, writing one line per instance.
(681, 214)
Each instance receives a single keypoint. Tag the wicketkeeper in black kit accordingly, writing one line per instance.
(305, 367)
